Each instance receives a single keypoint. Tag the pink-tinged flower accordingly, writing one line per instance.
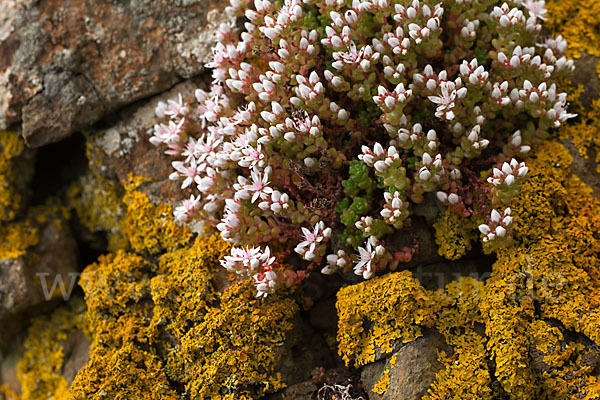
(231, 220)
(160, 109)
(252, 157)
(395, 210)
(247, 260)
(536, 8)
(189, 171)
(203, 148)
(311, 247)
(176, 108)
(361, 58)
(496, 229)
(370, 258)
(188, 209)
(259, 187)
(167, 134)
(365, 265)
(337, 261)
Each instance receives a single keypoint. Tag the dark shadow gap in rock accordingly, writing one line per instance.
(57, 166)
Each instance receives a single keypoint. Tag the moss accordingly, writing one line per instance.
(98, 203)
(39, 371)
(11, 146)
(454, 234)
(150, 228)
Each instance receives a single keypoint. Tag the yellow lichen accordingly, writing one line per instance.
(578, 22)
(466, 374)
(11, 146)
(150, 228)
(549, 272)
(374, 314)
(6, 393)
(383, 384)
(19, 235)
(39, 371)
(183, 291)
(454, 234)
(99, 206)
(159, 328)
(233, 349)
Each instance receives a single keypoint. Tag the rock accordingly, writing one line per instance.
(124, 148)
(323, 315)
(421, 232)
(66, 64)
(32, 280)
(585, 74)
(302, 352)
(300, 391)
(430, 208)
(54, 331)
(16, 171)
(415, 369)
(584, 168)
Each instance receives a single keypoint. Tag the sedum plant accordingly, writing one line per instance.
(337, 116)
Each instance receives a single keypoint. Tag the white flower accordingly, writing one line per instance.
(445, 102)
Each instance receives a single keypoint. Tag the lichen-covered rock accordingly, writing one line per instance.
(16, 170)
(36, 254)
(502, 331)
(67, 64)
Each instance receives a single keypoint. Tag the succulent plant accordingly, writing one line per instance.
(332, 118)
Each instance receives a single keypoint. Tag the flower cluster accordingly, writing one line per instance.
(337, 116)
(262, 267)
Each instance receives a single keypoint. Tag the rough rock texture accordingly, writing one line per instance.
(585, 74)
(124, 148)
(21, 287)
(415, 369)
(437, 275)
(300, 391)
(76, 348)
(584, 168)
(302, 351)
(65, 64)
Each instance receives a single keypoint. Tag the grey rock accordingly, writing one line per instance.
(584, 167)
(415, 369)
(302, 352)
(26, 282)
(66, 64)
(585, 74)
